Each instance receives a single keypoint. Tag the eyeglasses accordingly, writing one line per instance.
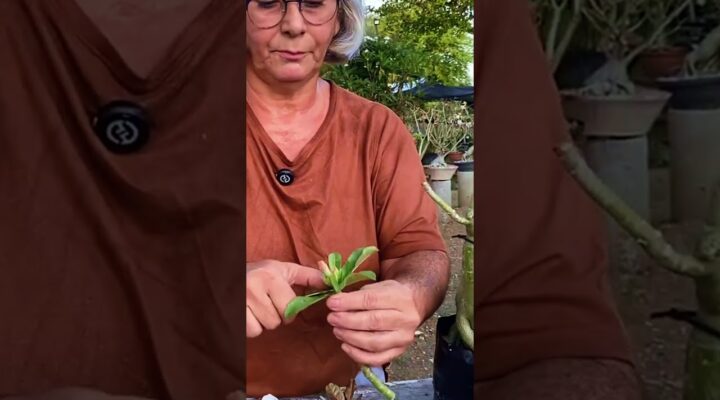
(269, 13)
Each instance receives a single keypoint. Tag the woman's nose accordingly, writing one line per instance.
(293, 21)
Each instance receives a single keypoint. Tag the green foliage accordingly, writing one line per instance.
(338, 276)
(440, 29)
(419, 41)
(378, 70)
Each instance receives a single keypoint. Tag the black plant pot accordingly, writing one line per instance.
(464, 166)
(428, 158)
(453, 365)
(701, 93)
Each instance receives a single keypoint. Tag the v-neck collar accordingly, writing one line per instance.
(310, 146)
(189, 47)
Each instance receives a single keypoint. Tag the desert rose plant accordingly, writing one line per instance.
(337, 276)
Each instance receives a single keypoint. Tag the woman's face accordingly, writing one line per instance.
(291, 51)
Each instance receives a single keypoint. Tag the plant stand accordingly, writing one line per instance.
(444, 190)
(440, 179)
(695, 161)
(466, 183)
(414, 389)
(623, 164)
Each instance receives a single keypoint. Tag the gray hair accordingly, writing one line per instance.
(348, 40)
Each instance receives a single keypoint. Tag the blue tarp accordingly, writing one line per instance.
(440, 92)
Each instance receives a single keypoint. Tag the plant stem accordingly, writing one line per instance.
(377, 383)
(647, 236)
(445, 206)
(559, 52)
(464, 299)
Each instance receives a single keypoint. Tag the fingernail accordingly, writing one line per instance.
(333, 302)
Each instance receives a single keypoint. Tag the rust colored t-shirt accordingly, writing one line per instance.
(541, 262)
(120, 272)
(358, 182)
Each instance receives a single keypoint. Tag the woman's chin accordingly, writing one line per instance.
(292, 74)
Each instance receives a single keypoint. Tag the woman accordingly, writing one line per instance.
(328, 171)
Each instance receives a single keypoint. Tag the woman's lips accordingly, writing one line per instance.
(291, 55)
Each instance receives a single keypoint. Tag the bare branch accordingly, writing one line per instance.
(638, 50)
(445, 206)
(645, 234)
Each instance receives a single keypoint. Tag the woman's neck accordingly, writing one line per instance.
(282, 98)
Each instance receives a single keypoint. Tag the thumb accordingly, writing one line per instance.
(304, 276)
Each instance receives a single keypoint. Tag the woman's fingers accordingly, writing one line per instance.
(376, 320)
(263, 309)
(371, 359)
(281, 294)
(374, 342)
(303, 276)
(252, 326)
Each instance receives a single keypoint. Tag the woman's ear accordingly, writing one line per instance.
(338, 27)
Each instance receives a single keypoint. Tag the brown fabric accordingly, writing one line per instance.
(565, 379)
(541, 264)
(357, 183)
(121, 273)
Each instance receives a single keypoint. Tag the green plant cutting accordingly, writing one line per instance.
(337, 276)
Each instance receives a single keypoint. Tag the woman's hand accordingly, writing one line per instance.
(376, 323)
(269, 290)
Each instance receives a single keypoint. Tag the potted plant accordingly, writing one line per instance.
(693, 115)
(697, 85)
(702, 364)
(338, 275)
(665, 57)
(435, 123)
(617, 114)
(453, 363)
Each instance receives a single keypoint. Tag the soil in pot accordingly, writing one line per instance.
(453, 365)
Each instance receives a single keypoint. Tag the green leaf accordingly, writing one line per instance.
(300, 303)
(359, 277)
(356, 258)
(334, 261)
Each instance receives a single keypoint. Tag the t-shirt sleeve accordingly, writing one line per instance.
(406, 216)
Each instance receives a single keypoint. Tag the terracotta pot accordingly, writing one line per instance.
(616, 116)
(454, 156)
(663, 62)
(440, 173)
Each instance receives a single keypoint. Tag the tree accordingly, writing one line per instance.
(440, 29)
(380, 69)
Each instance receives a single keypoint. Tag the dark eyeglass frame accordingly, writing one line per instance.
(285, 5)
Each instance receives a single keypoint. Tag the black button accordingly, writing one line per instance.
(285, 177)
(122, 126)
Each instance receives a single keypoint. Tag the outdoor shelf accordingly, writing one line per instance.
(415, 389)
